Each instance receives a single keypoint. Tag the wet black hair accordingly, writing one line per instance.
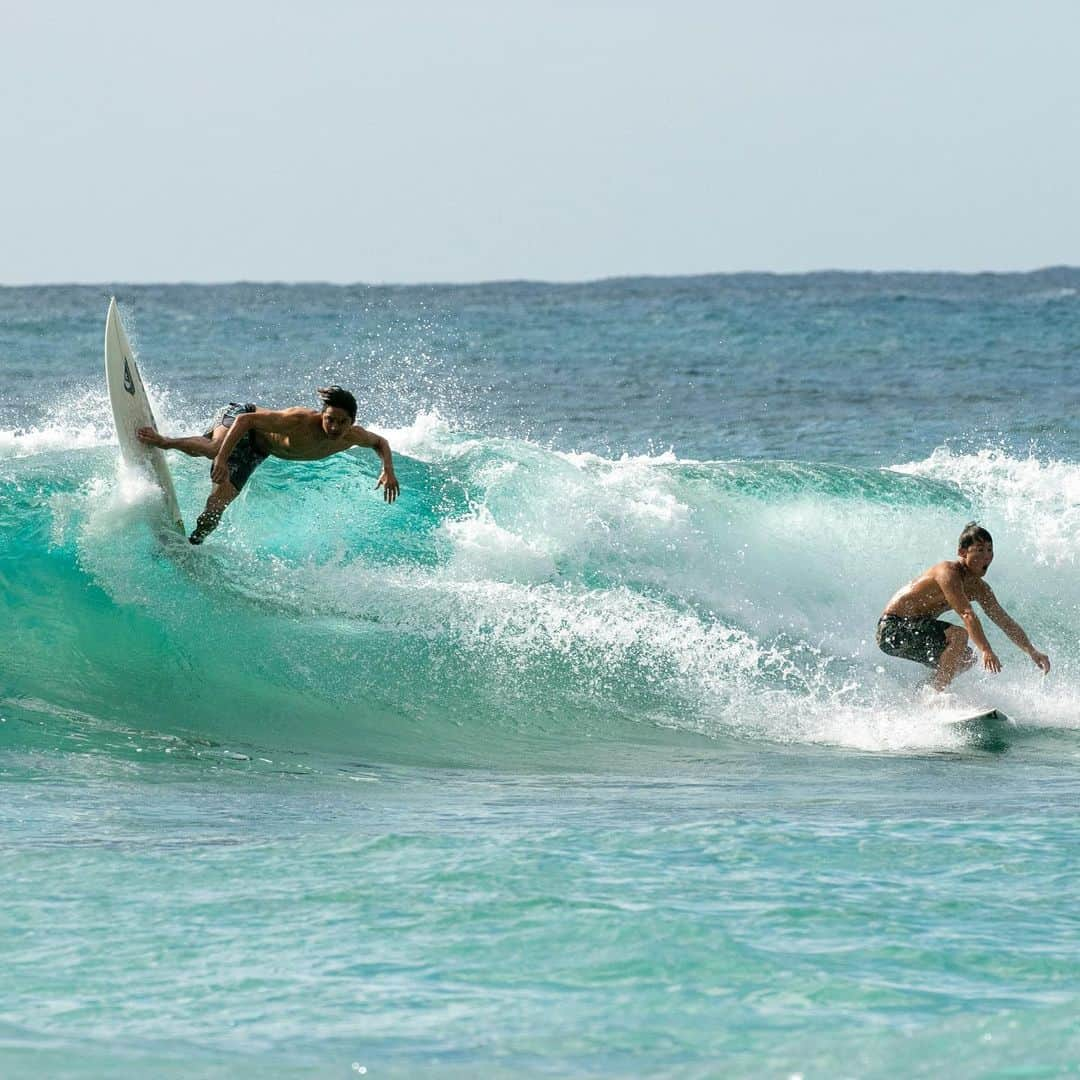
(973, 533)
(333, 397)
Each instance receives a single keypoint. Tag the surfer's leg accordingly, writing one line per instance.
(193, 445)
(220, 497)
(196, 446)
(955, 657)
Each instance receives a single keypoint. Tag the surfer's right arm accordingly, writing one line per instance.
(1013, 630)
(262, 420)
(952, 585)
(241, 425)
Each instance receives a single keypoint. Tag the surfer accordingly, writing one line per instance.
(242, 437)
(910, 628)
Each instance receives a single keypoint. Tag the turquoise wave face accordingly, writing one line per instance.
(513, 594)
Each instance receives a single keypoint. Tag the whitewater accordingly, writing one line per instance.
(580, 759)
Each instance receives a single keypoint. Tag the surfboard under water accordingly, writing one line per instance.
(131, 411)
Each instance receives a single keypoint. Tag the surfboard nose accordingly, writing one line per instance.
(132, 411)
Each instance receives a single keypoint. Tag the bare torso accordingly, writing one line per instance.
(924, 597)
(301, 437)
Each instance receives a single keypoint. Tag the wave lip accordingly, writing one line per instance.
(1037, 499)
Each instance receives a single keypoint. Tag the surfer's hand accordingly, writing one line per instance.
(388, 482)
(148, 435)
(1040, 660)
(991, 662)
(219, 471)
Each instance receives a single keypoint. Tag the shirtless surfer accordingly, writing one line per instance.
(242, 437)
(910, 627)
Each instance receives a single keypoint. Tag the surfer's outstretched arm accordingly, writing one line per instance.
(1013, 630)
(388, 481)
(219, 471)
(952, 586)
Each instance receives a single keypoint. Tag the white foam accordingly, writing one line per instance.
(585, 459)
(431, 437)
(106, 505)
(81, 420)
(27, 442)
(1040, 499)
(483, 550)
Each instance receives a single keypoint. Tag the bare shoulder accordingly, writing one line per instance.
(949, 577)
(282, 420)
(359, 436)
(946, 570)
(939, 575)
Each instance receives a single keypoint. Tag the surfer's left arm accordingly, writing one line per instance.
(387, 478)
(1013, 630)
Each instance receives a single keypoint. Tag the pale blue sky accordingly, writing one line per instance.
(411, 141)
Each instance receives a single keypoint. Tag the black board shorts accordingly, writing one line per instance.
(922, 640)
(246, 457)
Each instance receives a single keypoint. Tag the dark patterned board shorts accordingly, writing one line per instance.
(245, 457)
(922, 640)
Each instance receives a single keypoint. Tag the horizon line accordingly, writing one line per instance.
(551, 282)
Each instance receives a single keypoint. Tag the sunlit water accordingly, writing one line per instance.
(578, 760)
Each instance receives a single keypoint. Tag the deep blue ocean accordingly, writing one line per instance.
(580, 759)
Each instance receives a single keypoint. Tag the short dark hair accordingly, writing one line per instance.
(333, 397)
(973, 533)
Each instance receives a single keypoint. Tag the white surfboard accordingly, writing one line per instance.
(131, 411)
(990, 728)
(984, 717)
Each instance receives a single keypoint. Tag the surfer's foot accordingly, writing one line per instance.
(195, 538)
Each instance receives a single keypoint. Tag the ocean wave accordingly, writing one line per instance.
(516, 592)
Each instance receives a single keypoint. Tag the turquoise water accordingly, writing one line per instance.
(578, 760)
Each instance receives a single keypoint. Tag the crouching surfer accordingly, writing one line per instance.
(910, 628)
